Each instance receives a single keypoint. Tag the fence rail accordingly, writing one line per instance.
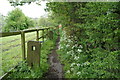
(5, 34)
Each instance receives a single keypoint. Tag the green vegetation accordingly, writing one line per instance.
(89, 45)
(16, 20)
(24, 71)
(43, 22)
(90, 42)
(47, 21)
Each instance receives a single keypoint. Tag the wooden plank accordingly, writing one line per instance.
(33, 53)
(41, 29)
(37, 37)
(43, 35)
(40, 37)
(32, 30)
(23, 44)
(26, 31)
(5, 34)
(45, 28)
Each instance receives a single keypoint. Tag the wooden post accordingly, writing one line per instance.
(37, 38)
(43, 34)
(23, 44)
(47, 33)
(33, 53)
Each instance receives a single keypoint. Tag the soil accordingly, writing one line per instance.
(56, 68)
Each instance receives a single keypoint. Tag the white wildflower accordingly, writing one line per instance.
(69, 40)
(78, 73)
(72, 53)
(86, 63)
(76, 58)
(78, 65)
(68, 52)
(61, 47)
(72, 64)
(80, 46)
(79, 50)
(73, 47)
(68, 71)
(72, 69)
(67, 45)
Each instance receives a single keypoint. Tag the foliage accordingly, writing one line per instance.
(21, 2)
(53, 33)
(44, 22)
(16, 20)
(24, 71)
(100, 64)
(94, 27)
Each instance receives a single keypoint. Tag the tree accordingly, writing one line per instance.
(22, 2)
(45, 22)
(16, 20)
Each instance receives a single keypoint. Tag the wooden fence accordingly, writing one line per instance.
(5, 34)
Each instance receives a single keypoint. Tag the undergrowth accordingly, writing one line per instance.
(24, 71)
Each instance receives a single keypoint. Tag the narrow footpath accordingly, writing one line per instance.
(56, 68)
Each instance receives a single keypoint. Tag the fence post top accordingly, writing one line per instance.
(21, 31)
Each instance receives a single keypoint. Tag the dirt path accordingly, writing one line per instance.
(56, 68)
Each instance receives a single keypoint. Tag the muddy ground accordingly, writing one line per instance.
(56, 68)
